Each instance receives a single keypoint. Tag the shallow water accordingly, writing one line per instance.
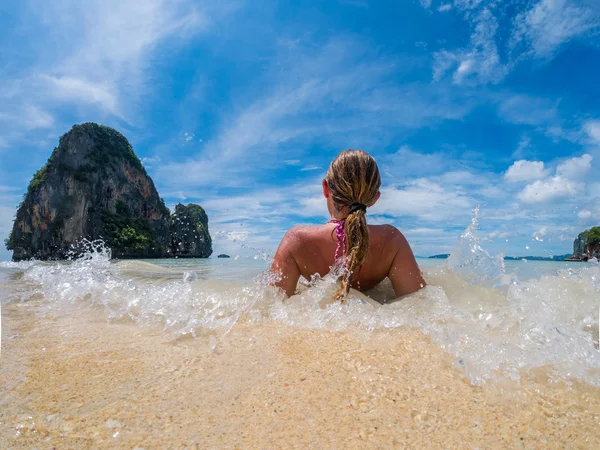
(533, 314)
(494, 324)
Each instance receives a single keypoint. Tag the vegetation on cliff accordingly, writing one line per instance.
(95, 187)
(127, 235)
(587, 244)
(111, 147)
(592, 237)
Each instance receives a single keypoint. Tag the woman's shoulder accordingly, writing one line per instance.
(299, 233)
(304, 229)
(387, 232)
(386, 229)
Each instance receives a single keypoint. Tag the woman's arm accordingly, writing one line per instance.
(404, 273)
(284, 264)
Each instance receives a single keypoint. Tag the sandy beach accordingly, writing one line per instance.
(343, 224)
(78, 382)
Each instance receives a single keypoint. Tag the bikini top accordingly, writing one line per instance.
(340, 232)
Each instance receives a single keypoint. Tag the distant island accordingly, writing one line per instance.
(95, 187)
(538, 258)
(517, 258)
(585, 247)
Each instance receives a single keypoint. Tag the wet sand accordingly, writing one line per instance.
(77, 382)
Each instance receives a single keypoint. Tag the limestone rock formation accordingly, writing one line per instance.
(95, 187)
(587, 245)
(579, 245)
(189, 237)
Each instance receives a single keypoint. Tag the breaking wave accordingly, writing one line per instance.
(493, 323)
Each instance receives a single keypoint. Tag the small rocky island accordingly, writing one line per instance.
(586, 245)
(95, 187)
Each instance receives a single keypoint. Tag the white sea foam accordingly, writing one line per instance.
(494, 324)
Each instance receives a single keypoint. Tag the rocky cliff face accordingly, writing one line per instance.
(189, 237)
(579, 245)
(93, 186)
(587, 244)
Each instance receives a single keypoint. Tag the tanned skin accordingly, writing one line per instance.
(309, 250)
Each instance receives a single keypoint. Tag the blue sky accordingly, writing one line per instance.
(241, 106)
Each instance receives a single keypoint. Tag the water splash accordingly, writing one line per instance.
(470, 259)
(86, 250)
(492, 332)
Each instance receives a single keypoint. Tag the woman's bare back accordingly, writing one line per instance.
(309, 250)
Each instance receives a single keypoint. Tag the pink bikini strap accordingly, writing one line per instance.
(340, 234)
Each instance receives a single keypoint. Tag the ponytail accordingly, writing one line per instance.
(357, 249)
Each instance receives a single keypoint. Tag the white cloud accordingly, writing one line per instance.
(407, 162)
(498, 234)
(234, 235)
(545, 190)
(148, 162)
(477, 63)
(310, 167)
(116, 36)
(27, 117)
(537, 32)
(445, 7)
(422, 230)
(244, 240)
(493, 191)
(464, 178)
(592, 128)
(244, 207)
(313, 206)
(524, 170)
(77, 90)
(575, 168)
(425, 199)
(594, 190)
(524, 144)
(549, 24)
(590, 212)
(540, 234)
(425, 3)
(467, 4)
(35, 117)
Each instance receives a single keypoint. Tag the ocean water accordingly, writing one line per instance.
(497, 319)
(204, 353)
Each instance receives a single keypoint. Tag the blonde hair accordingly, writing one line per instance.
(353, 178)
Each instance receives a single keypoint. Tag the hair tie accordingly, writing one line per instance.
(357, 207)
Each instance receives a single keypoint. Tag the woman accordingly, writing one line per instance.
(368, 253)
